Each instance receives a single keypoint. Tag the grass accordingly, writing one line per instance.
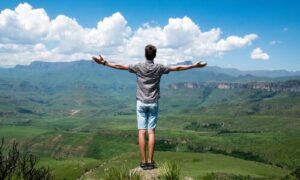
(170, 170)
(195, 165)
(264, 126)
(95, 144)
(69, 168)
(21, 133)
(104, 146)
(121, 174)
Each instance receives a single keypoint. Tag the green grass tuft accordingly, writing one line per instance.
(121, 174)
(170, 170)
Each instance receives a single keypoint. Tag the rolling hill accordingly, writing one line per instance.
(80, 115)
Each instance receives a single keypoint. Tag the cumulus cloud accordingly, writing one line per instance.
(23, 25)
(258, 54)
(182, 39)
(28, 34)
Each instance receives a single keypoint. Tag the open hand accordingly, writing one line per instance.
(201, 64)
(99, 59)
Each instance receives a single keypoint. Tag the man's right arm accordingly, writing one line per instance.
(100, 60)
(200, 64)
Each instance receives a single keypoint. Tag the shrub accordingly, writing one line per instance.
(165, 145)
(170, 171)
(22, 166)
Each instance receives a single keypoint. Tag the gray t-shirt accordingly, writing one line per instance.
(148, 78)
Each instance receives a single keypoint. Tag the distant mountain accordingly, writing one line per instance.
(89, 73)
(235, 72)
(258, 73)
(61, 76)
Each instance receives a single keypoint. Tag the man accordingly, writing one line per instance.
(148, 78)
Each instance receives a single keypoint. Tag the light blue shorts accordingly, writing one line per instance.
(147, 115)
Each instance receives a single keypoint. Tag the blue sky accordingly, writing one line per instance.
(275, 23)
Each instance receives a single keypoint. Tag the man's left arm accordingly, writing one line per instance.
(199, 64)
(101, 60)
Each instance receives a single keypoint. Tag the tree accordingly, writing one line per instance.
(21, 165)
(8, 160)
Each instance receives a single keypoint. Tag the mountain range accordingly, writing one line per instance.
(85, 70)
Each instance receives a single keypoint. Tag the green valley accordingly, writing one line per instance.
(78, 116)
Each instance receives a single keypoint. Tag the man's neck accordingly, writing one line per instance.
(149, 61)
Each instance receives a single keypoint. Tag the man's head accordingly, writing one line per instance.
(150, 52)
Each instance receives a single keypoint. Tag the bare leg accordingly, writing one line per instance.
(151, 144)
(142, 144)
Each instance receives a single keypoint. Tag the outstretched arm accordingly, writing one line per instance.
(100, 60)
(199, 64)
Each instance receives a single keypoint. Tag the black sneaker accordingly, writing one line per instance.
(144, 166)
(151, 165)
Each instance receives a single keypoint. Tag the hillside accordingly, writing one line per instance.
(277, 86)
(78, 115)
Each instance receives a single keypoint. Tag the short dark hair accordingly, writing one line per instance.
(150, 52)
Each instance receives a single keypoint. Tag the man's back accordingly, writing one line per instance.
(147, 107)
(148, 79)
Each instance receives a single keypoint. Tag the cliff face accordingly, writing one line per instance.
(282, 86)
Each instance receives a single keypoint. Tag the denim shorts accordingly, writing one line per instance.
(147, 115)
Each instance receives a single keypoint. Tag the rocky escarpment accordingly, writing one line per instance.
(280, 86)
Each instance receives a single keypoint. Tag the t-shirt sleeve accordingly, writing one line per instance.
(164, 69)
(133, 68)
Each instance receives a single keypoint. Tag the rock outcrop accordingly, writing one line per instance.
(147, 174)
(280, 86)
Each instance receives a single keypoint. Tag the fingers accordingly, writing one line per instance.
(97, 60)
(101, 58)
(94, 58)
(201, 64)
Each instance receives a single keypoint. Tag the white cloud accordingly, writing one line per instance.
(181, 39)
(23, 25)
(180, 32)
(258, 54)
(28, 34)
(235, 42)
